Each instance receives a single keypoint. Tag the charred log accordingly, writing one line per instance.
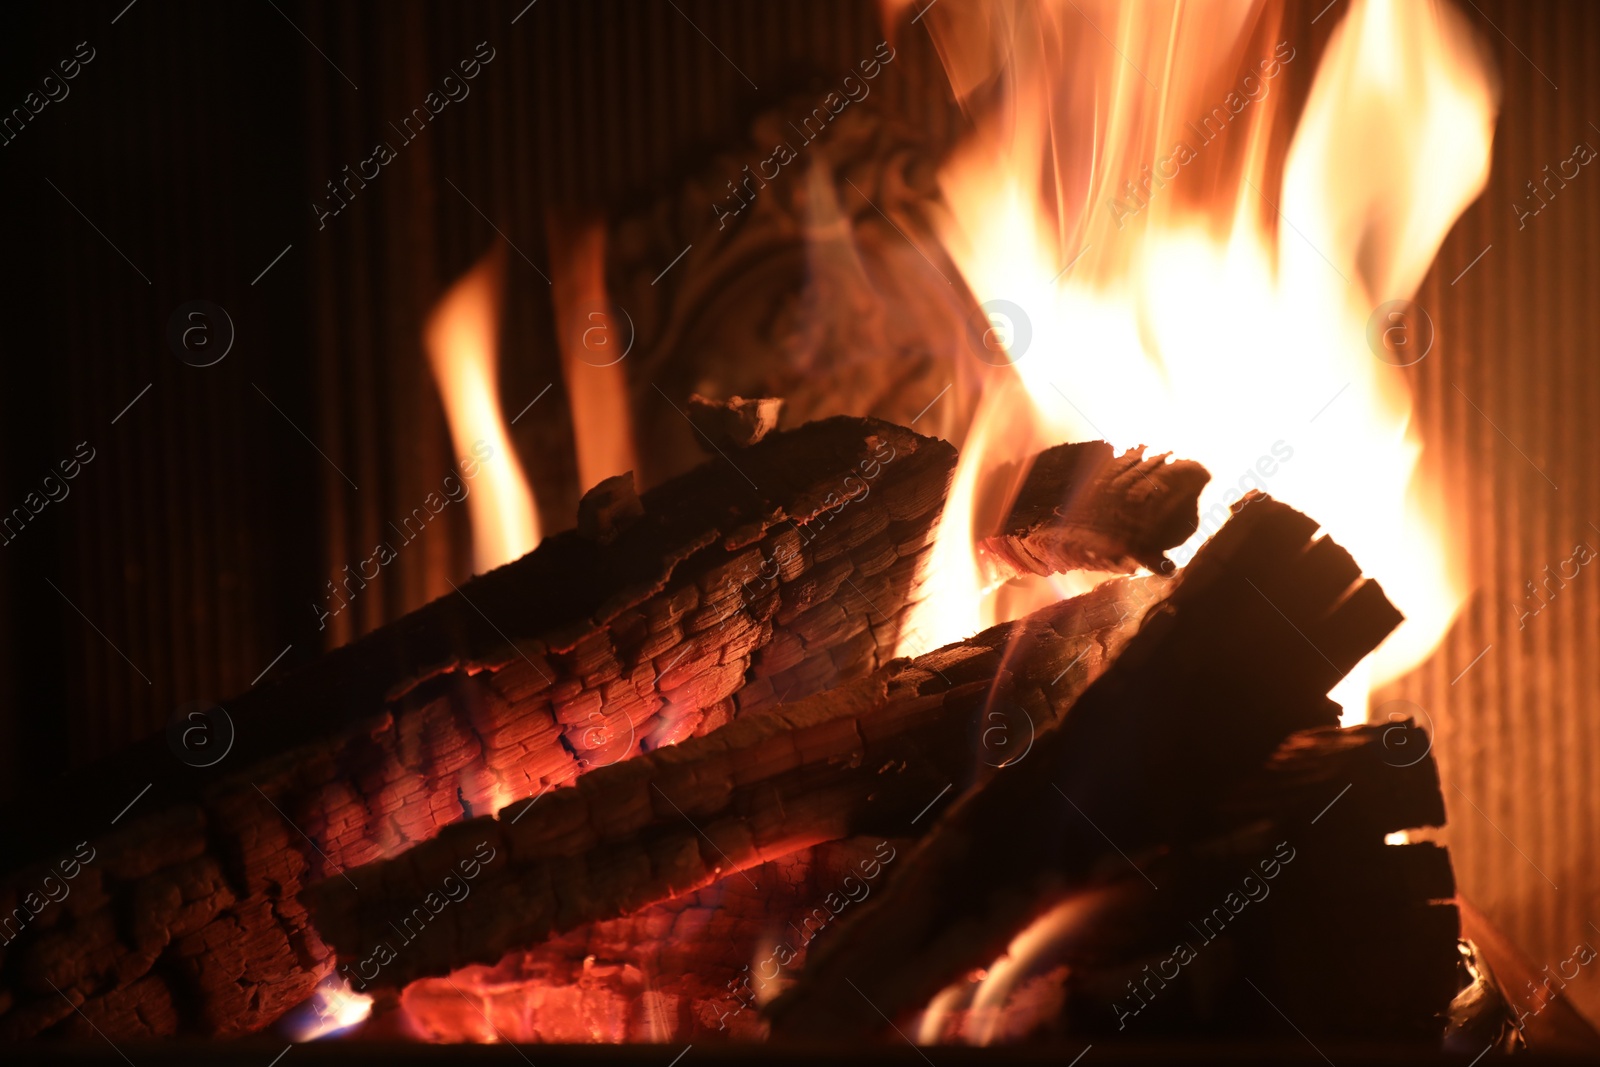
(1084, 507)
(1296, 902)
(720, 594)
(867, 757)
(773, 578)
(1298, 906)
(1242, 654)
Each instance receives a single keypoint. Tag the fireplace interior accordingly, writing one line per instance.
(873, 531)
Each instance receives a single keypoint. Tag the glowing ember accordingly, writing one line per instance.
(460, 337)
(334, 1010)
(1119, 216)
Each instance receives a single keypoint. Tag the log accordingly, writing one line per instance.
(1364, 944)
(772, 578)
(716, 596)
(1084, 507)
(1081, 506)
(1261, 625)
(1294, 896)
(875, 756)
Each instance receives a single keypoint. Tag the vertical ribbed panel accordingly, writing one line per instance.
(170, 156)
(1518, 733)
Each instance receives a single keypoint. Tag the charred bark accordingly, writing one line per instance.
(1084, 507)
(751, 581)
(772, 578)
(1261, 625)
(870, 757)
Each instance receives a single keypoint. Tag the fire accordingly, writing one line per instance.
(983, 1009)
(461, 339)
(333, 1010)
(1157, 273)
(594, 340)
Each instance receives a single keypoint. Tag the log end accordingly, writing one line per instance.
(1084, 507)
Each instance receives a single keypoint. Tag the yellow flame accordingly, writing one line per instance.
(333, 1008)
(1119, 195)
(461, 338)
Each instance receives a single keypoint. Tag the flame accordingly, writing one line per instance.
(1154, 272)
(461, 340)
(988, 1018)
(331, 1011)
(595, 337)
(991, 1006)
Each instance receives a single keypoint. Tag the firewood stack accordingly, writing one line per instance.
(1200, 773)
(692, 612)
(589, 750)
(726, 589)
(1185, 769)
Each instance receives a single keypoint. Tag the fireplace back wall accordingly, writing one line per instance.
(191, 549)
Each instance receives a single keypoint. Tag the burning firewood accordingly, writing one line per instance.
(861, 758)
(743, 584)
(1292, 891)
(774, 577)
(1084, 507)
(1238, 658)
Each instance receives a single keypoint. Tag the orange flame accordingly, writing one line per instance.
(1153, 280)
(594, 340)
(461, 338)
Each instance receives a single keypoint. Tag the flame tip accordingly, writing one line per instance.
(1058, 164)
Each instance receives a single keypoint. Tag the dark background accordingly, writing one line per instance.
(190, 550)
(195, 143)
